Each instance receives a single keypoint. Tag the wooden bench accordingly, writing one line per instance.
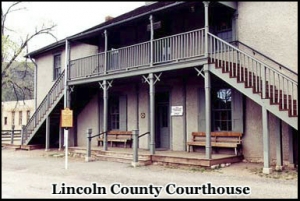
(117, 136)
(226, 139)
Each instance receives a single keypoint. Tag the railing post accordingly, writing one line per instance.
(88, 144)
(105, 53)
(206, 3)
(135, 134)
(263, 74)
(151, 40)
(12, 134)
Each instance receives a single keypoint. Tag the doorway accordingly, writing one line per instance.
(162, 121)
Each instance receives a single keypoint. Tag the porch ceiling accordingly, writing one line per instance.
(230, 4)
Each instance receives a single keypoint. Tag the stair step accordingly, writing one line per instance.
(122, 159)
(255, 82)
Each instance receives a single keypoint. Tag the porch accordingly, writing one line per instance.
(161, 157)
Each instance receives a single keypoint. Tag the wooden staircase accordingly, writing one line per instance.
(50, 104)
(261, 83)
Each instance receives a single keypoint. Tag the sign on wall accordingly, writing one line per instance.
(176, 110)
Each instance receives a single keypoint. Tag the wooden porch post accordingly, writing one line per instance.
(47, 147)
(152, 113)
(105, 113)
(291, 147)
(207, 111)
(278, 133)
(60, 140)
(105, 85)
(266, 141)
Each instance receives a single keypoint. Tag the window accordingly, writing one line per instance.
(57, 66)
(20, 117)
(221, 110)
(114, 113)
(13, 117)
(5, 120)
(28, 115)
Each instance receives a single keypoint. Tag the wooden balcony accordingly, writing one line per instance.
(152, 56)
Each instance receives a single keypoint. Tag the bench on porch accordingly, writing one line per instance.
(226, 139)
(117, 136)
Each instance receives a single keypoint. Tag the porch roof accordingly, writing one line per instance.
(142, 11)
(136, 13)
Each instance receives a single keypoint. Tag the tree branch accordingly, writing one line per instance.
(46, 30)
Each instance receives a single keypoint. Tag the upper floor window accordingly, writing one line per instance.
(5, 120)
(57, 66)
(221, 110)
(20, 117)
(28, 115)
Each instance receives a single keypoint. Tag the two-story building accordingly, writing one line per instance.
(172, 68)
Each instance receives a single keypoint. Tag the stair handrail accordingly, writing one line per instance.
(212, 35)
(256, 51)
(141, 135)
(102, 133)
(42, 104)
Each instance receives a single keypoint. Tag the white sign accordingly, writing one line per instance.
(176, 110)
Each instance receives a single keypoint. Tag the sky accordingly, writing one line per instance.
(70, 18)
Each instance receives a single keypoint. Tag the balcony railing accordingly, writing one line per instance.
(167, 49)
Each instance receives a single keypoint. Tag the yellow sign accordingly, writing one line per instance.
(66, 120)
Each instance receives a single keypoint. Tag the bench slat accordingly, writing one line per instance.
(226, 139)
(117, 136)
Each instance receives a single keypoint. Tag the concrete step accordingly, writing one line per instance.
(141, 162)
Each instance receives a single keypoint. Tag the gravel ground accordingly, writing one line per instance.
(33, 174)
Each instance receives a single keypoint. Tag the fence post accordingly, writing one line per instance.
(135, 134)
(88, 144)
(12, 134)
(22, 134)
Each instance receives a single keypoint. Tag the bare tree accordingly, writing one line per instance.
(12, 50)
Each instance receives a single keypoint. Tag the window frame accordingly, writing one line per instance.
(5, 120)
(221, 116)
(56, 68)
(114, 113)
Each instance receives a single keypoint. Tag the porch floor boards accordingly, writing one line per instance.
(161, 157)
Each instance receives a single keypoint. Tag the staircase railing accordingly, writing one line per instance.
(44, 106)
(265, 80)
(265, 59)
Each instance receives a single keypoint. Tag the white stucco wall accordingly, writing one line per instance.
(253, 136)
(144, 108)
(88, 118)
(192, 105)
(45, 66)
(45, 75)
(271, 28)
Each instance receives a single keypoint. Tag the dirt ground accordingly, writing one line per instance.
(37, 174)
